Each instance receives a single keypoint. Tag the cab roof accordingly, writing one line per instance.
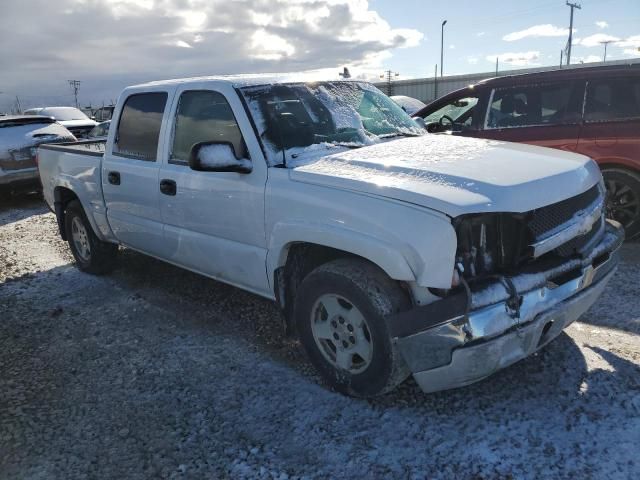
(247, 80)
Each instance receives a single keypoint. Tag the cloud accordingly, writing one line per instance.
(632, 42)
(588, 59)
(473, 60)
(596, 40)
(602, 24)
(546, 30)
(519, 59)
(481, 34)
(141, 40)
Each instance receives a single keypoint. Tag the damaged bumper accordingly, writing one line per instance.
(446, 347)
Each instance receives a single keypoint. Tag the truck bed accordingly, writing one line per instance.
(88, 147)
(75, 168)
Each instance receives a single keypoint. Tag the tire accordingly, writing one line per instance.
(5, 195)
(327, 322)
(623, 198)
(92, 255)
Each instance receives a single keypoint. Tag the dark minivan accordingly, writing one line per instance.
(590, 110)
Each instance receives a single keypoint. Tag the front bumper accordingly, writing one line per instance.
(508, 320)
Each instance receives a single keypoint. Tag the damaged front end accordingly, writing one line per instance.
(519, 280)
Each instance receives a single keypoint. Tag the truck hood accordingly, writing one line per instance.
(455, 175)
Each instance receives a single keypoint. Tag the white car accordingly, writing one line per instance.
(390, 251)
(409, 104)
(71, 118)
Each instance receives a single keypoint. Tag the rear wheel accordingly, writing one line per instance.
(340, 312)
(92, 255)
(623, 198)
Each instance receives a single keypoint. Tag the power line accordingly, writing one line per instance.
(75, 86)
(388, 75)
(572, 6)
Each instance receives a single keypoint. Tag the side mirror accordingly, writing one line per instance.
(420, 121)
(217, 157)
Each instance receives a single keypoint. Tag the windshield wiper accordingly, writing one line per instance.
(399, 134)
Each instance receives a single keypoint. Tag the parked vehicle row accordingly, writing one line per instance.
(594, 111)
(71, 118)
(19, 137)
(391, 251)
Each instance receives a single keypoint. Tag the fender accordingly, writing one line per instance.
(395, 260)
(93, 204)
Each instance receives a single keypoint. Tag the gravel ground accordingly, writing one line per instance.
(154, 372)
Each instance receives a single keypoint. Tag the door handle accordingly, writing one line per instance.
(114, 178)
(168, 187)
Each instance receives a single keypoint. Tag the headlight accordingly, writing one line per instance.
(489, 243)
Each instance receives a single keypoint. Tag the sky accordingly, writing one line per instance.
(109, 44)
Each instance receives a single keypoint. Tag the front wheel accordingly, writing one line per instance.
(92, 255)
(623, 198)
(340, 313)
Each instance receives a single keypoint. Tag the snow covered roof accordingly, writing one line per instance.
(246, 80)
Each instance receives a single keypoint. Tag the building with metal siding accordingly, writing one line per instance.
(424, 89)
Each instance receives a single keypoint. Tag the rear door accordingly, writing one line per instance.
(612, 121)
(214, 221)
(130, 172)
(547, 114)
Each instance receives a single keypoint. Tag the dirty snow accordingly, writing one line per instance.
(154, 372)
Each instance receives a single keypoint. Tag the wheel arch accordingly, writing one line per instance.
(62, 196)
(296, 259)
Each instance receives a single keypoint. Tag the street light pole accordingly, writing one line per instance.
(442, 48)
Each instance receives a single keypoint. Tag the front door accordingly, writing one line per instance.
(130, 174)
(547, 115)
(214, 221)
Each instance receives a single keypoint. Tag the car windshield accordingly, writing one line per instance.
(454, 110)
(64, 113)
(302, 117)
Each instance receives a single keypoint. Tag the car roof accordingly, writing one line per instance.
(562, 74)
(250, 79)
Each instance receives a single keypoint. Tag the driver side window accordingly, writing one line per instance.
(459, 111)
(204, 116)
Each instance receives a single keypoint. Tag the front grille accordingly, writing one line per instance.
(577, 244)
(79, 132)
(546, 219)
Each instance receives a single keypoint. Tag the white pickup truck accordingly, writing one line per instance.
(391, 251)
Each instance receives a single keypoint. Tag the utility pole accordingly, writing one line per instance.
(496, 66)
(572, 6)
(561, 52)
(435, 83)
(75, 86)
(605, 43)
(442, 48)
(388, 75)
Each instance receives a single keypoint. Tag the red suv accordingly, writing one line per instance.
(591, 110)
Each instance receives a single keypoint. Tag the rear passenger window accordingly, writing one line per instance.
(536, 105)
(204, 116)
(612, 99)
(139, 126)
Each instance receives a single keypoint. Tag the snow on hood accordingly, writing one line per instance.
(456, 175)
